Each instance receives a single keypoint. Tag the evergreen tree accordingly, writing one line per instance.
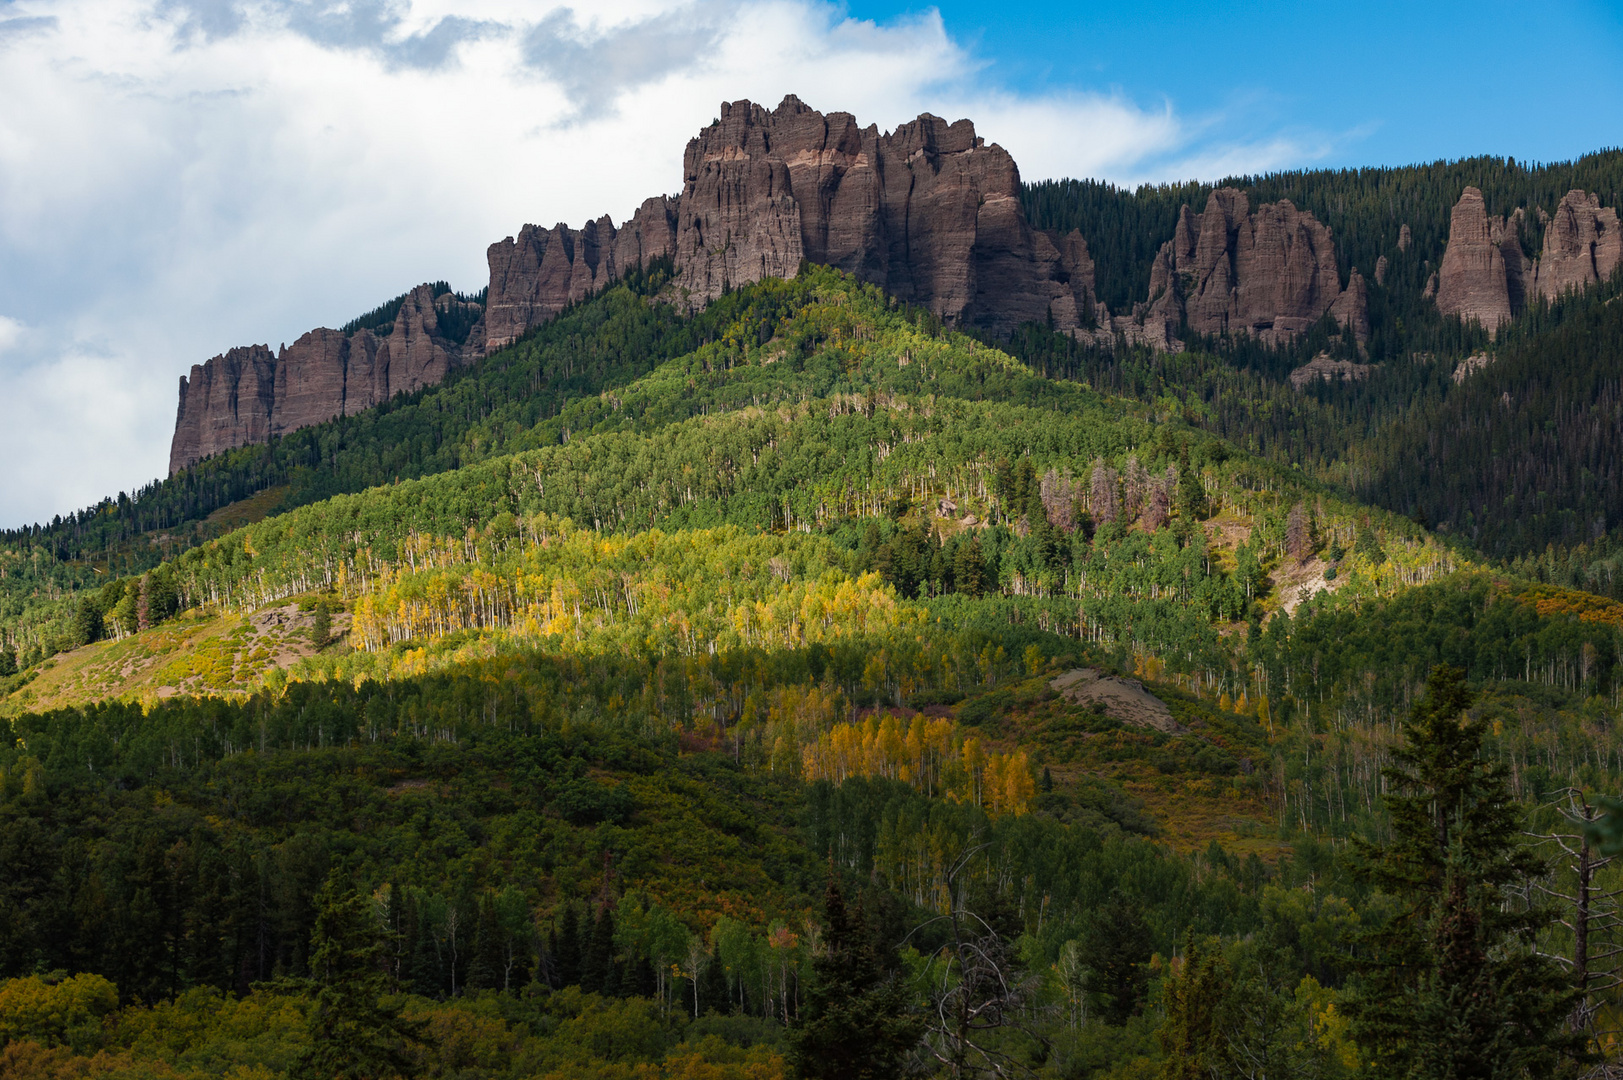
(87, 622)
(1192, 1035)
(854, 1024)
(354, 1035)
(598, 972)
(1451, 986)
(1192, 503)
(1117, 949)
(713, 990)
(566, 949)
(321, 625)
(969, 568)
(1368, 546)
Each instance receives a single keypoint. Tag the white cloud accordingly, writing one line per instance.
(181, 176)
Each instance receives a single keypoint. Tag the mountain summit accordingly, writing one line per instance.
(930, 212)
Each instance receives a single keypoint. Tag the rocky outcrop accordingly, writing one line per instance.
(225, 402)
(1351, 308)
(929, 212)
(543, 271)
(1470, 366)
(1482, 278)
(1269, 273)
(1124, 700)
(1329, 369)
(1485, 276)
(249, 395)
(1582, 246)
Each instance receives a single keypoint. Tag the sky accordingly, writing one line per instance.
(178, 177)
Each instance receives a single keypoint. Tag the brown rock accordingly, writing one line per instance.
(312, 381)
(1351, 308)
(1329, 369)
(1125, 700)
(1582, 246)
(226, 402)
(1470, 366)
(1477, 281)
(413, 355)
(1405, 238)
(1271, 274)
(929, 212)
(249, 395)
(1380, 270)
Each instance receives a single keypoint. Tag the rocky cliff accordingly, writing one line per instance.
(1486, 277)
(1481, 277)
(930, 212)
(1582, 245)
(1270, 273)
(248, 395)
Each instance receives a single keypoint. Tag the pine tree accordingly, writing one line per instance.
(566, 951)
(321, 625)
(354, 1035)
(599, 974)
(854, 1024)
(1117, 950)
(1451, 986)
(1192, 503)
(1191, 1036)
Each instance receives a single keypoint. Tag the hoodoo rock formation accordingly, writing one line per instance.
(249, 395)
(1582, 245)
(1269, 273)
(543, 271)
(1486, 277)
(929, 212)
(1481, 278)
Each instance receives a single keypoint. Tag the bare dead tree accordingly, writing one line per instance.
(1298, 540)
(1135, 486)
(1102, 498)
(1059, 499)
(979, 993)
(1593, 914)
(1160, 504)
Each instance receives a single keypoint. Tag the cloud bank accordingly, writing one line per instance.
(181, 176)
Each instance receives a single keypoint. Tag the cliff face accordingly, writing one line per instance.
(1486, 277)
(1582, 245)
(250, 394)
(929, 212)
(225, 402)
(1482, 265)
(1269, 273)
(543, 271)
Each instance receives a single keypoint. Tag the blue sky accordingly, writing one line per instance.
(1374, 83)
(178, 177)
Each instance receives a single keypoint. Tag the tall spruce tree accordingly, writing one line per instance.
(1450, 985)
(855, 1022)
(354, 1034)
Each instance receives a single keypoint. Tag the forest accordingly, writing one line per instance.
(804, 688)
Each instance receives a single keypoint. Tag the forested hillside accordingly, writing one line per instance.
(766, 692)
